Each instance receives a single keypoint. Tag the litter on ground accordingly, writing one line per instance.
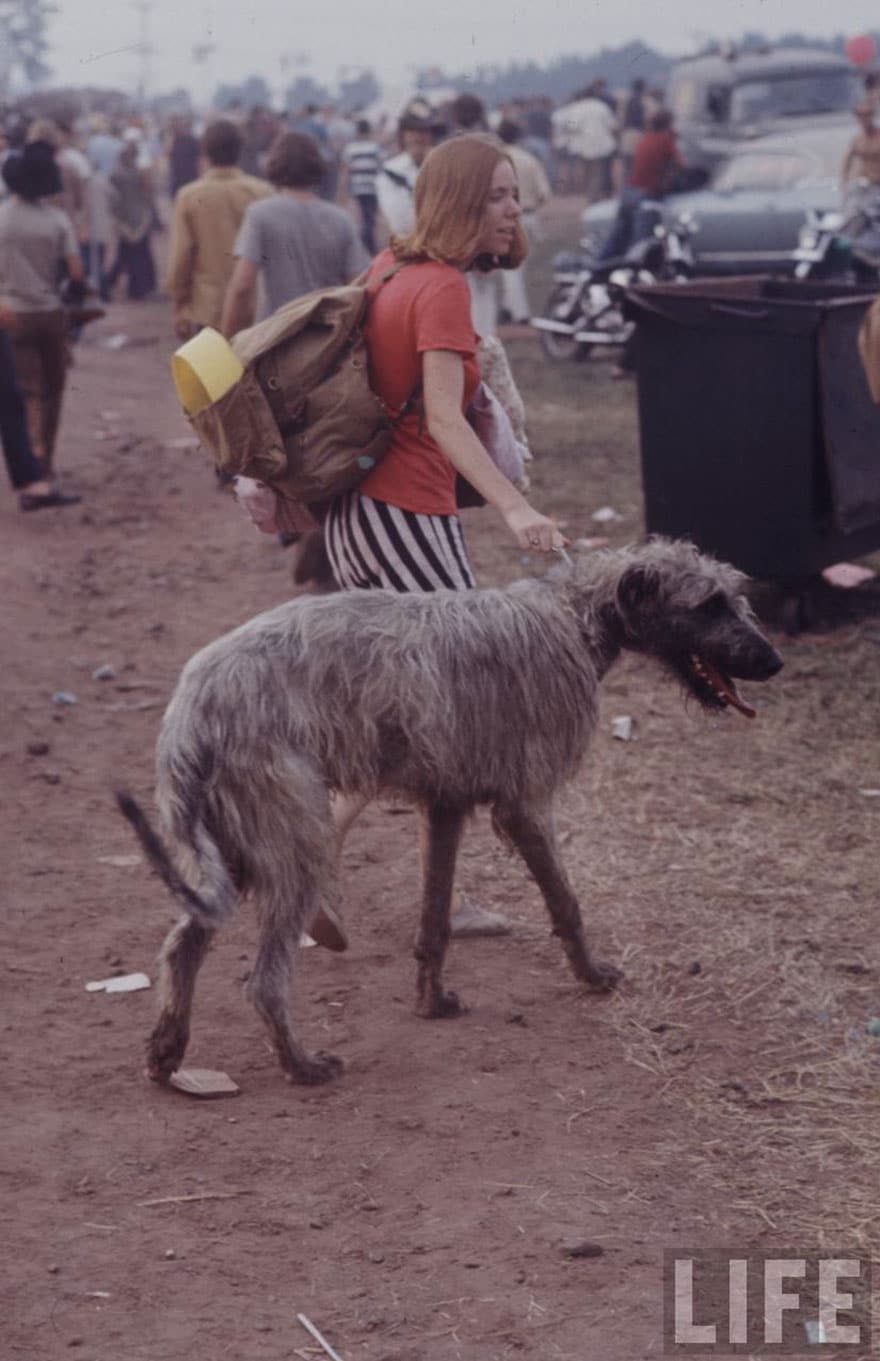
(204, 1082)
(129, 982)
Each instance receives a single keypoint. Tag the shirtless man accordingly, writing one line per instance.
(862, 159)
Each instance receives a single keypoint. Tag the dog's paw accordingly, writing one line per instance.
(316, 1069)
(602, 976)
(165, 1050)
(440, 1006)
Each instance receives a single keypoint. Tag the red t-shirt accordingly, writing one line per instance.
(424, 307)
(655, 155)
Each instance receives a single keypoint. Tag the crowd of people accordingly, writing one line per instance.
(260, 208)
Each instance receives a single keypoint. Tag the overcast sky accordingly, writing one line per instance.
(93, 41)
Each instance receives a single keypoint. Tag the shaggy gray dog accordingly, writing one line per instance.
(449, 700)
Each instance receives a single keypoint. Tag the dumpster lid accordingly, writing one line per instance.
(761, 303)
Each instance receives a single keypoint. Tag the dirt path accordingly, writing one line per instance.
(417, 1209)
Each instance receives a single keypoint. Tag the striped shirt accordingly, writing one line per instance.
(363, 160)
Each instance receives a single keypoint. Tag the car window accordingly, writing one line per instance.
(766, 170)
(813, 92)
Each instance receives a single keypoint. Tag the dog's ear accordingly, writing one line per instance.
(639, 585)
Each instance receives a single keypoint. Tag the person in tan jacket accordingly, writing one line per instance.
(207, 216)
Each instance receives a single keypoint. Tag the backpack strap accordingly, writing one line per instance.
(415, 397)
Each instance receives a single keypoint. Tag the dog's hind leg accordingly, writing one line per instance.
(268, 989)
(531, 832)
(183, 951)
(441, 833)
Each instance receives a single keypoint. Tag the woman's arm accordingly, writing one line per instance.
(238, 304)
(443, 388)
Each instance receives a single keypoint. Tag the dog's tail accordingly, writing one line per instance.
(210, 909)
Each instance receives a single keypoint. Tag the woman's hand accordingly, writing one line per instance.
(258, 501)
(532, 530)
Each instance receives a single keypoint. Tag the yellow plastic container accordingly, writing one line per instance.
(204, 369)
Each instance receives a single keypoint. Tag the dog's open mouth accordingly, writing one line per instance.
(712, 684)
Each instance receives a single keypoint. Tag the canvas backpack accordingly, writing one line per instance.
(303, 417)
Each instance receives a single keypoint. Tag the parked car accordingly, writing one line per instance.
(719, 101)
(749, 218)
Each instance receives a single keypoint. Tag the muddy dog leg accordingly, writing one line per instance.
(531, 832)
(180, 959)
(441, 833)
(268, 989)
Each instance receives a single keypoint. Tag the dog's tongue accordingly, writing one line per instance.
(723, 686)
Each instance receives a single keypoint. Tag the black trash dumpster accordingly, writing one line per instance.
(760, 441)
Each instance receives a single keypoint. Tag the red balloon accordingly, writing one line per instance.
(861, 50)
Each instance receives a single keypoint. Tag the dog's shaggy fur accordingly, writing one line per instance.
(450, 700)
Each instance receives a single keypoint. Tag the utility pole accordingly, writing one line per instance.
(144, 48)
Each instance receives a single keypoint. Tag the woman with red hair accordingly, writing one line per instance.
(399, 528)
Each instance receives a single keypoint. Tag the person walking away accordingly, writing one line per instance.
(399, 529)
(534, 191)
(291, 243)
(72, 166)
(183, 155)
(134, 215)
(35, 492)
(633, 124)
(361, 161)
(102, 150)
(417, 131)
(37, 246)
(538, 138)
(656, 159)
(469, 114)
(205, 222)
(586, 131)
(340, 131)
(103, 147)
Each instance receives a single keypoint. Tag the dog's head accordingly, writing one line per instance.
(690, 612)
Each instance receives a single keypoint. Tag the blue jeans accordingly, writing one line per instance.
(630, 225)
(21, 462)
(369, 206)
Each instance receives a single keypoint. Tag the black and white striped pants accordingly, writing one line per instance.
(371, 544)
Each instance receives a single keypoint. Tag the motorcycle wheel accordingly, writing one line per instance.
(557, 348)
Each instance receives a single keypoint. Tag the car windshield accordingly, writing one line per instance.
(755, 101)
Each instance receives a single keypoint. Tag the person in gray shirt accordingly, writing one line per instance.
(291, 243)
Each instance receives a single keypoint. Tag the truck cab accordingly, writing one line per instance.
(719, 101)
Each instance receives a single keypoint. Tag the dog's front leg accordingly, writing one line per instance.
(531, 832)
(441, 833)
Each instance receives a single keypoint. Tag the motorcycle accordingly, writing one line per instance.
(585, 304)
(844, 244)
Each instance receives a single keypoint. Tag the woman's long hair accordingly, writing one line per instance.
(451, 198)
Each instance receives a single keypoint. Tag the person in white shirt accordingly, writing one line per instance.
(416, 133)
(585, 130)
(534, 191)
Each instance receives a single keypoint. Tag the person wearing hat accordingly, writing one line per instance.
(37, 244)
(417, 131)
